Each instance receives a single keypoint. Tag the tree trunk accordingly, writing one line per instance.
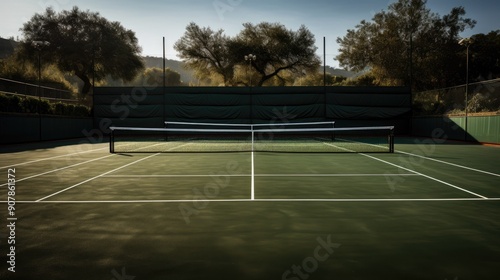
(86, 83)
(265, 77)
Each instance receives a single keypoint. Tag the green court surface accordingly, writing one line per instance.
(428, 211)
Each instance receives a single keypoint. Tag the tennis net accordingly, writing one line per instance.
(253, 138)
(273, 125)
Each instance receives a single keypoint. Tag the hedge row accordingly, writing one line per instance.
(16, 104)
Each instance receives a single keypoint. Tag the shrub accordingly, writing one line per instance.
(15, 104)
(81, 111)
(30, 105)
(45, 107)
(10, 103)
(4, 103)
(59, 108)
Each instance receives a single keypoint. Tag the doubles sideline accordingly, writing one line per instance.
(410, 170)
(103, 174)
(49, 158)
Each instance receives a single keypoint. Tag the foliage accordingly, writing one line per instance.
(318, 79)
(81, 42)
(206, 51)
(31, 105)
(367, 79)
(407, 32)
(154, 77)
(483, 98)
(484, 56)
(150, 77)
(10, 103)
(21, 71)
(277, 49)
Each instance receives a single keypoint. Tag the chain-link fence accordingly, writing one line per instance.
(48, 93)
(483, 98)
(19, 97)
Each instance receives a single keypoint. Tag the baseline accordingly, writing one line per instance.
(332, 175)
(257, 175)
(258, 200)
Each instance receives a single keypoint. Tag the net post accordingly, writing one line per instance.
(391, 140)
(112, 141)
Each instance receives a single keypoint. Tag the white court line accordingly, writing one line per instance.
(121, 145)
(433, 159)
(332, 175)
(95, 177)
(253, 177)
(452, 164)
(58, 169)
(257, 175)
(38, 160)
(341, 148)
(259, 200)
(426, 176)
(103, 174)
(368, 144)
(175, 176)
(413, 171)
(66, 167)
(54, 157)
(374, 199)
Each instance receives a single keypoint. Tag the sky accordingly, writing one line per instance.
(152, 20)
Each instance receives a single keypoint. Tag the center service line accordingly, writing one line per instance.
(253, 179)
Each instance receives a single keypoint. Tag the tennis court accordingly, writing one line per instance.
(427, 211)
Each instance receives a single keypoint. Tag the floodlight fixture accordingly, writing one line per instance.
(251, 57)
(40, 44)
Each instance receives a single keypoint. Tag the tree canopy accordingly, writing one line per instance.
(150, 77)
(407, 43)
(485, 56)
(276, 49)
(82, 43)
(206, 52)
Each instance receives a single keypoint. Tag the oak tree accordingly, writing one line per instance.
(82, 43)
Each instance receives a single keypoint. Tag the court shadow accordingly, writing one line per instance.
(45, 145)
(448, 130)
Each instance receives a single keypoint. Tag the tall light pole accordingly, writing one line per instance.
(250, 58)
(466, 42)
(39, 45)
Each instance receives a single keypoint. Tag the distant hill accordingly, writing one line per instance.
(7, 47)
(338, 72)
(187, 75)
